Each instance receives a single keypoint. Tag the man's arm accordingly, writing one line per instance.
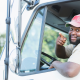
(67, 69)
(60, 49)
(60, 52)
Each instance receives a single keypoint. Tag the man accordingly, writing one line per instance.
(71, 68)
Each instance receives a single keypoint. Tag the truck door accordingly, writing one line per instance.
(39, 39)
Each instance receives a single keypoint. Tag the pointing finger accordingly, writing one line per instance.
(61, 35)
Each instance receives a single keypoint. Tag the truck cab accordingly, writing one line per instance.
(39, 28)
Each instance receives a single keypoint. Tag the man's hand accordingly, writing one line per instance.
(51, 66)
(60, 49)
(61, 40)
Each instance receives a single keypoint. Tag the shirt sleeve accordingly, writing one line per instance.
(69, 49)
(75, 57)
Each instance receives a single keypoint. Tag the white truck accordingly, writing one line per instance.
(32, 29)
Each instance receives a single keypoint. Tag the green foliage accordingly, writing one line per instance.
(2, 41)
(49, 42)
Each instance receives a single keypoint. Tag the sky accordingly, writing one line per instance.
(3, 14)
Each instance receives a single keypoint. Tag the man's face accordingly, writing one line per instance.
(74, 35)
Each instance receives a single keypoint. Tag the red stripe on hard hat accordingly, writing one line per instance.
(75, 21)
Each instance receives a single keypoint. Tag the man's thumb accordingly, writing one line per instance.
(61, 35)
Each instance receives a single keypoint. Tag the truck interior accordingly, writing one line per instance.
(61, 13)
(57, 16)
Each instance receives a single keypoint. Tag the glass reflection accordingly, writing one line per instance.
(30, 46)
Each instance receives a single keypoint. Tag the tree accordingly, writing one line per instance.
(2, 41)
(49, 41)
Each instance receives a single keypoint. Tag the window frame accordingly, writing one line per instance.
(40, 42)
(41, 38)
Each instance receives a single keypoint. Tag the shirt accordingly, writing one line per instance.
(74, 53)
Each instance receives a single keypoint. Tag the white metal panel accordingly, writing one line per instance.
(53, 75)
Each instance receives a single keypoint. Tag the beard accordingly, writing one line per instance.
(76, 42)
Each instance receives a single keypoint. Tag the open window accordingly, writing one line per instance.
(57, 16)
(48, 47)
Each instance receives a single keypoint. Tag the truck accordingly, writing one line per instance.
(32, 27)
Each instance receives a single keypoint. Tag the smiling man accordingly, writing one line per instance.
(71, 68)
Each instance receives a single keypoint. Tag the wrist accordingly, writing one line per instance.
(55, 62)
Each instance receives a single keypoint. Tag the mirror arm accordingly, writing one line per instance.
(19, 48)
(30, 3)
(6, 61)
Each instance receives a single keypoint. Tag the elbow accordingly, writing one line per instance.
(70, 74)
(59, 56)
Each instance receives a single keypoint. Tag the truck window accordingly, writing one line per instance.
(51, 32)
(49, 43)
(30, 46)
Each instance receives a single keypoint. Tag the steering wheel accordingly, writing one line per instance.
(44, 61)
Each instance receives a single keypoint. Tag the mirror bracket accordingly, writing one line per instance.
(31, 4)
(19, 48)
(6, 61)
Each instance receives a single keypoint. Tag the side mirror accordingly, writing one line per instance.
(31, 4)
(14, 60)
